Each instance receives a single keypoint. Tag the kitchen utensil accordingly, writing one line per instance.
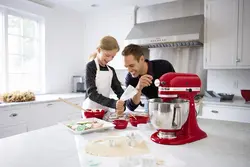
(72, 104)
(245, 94)
(226, 96)
(138, 119)
(174, 115)
(120, 124)
(98, 113)
(128, 93)
(132, 115)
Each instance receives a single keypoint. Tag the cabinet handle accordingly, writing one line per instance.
(49, 105)
(237, 60)
(13, 115)
(214, 111)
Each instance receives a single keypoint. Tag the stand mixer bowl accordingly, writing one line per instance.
(168, 116)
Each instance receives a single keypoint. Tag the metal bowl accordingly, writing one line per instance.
(168, 115)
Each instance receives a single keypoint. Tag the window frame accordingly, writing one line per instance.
(39, 36)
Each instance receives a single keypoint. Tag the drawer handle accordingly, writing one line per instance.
(214, 111)
(49, 105)
(13, 115)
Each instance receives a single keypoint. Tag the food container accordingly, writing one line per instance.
(246, 94)
(120, 124)
(98, 113)
(138, 119)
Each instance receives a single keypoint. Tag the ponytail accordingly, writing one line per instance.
(92, 56)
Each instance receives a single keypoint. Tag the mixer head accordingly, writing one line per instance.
(178, 85)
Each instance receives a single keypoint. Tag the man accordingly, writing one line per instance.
(142, 74)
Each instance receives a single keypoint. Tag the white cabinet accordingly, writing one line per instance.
(43, 115)
(221, 19)
(72, 113)
(227, 113)
(244, 34)
(13, 115)
(227, 34)
(13, 120)
(48, 114)
(27, 117)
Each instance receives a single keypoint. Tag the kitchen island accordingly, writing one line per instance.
(227, 145)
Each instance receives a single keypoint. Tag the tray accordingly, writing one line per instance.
(106, 125)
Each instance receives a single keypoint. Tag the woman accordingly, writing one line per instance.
(101, 78)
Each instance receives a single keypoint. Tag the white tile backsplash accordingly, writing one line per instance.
(228, 81)
(184, 60)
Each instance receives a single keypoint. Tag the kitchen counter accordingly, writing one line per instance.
(227, 145)
(239, 102)
(47, 98)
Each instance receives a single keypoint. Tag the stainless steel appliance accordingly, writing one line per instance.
(78, 84)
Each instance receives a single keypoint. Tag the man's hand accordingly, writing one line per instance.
(144, 81)
(120, 107)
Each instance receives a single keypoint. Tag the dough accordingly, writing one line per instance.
(120, 148)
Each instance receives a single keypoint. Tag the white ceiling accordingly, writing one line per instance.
(85, 5)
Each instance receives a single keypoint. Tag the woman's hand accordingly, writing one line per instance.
(119, 107)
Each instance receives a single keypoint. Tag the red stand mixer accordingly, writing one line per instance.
(174, 114)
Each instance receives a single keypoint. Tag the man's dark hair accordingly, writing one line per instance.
(134, 50)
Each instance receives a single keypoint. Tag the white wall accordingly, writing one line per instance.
(63, 43)
(116, 22)
(228, 81)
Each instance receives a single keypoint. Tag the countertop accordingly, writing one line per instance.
(227, 145)
(237, 102)
(47, 98)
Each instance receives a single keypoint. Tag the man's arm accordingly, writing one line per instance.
(144, 81)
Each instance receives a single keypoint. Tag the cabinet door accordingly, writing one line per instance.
(221, 28)
(227, 113)
(43, 115)
(244, 34)
(71, 110)
(14, 115)
(13, 130)
(48, 114)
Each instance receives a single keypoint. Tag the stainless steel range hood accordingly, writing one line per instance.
(177, 32)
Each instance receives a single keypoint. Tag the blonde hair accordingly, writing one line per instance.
(107, 43)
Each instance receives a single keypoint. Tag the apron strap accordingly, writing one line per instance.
(98, 66)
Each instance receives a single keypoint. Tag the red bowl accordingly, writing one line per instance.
(120, 124)
(99, 113)
(139, 120)
(245, 94)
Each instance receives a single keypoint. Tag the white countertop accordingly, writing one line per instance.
(240, 102)
(227, 145)
(47, 98)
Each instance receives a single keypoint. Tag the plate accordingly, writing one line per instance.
(79, 124)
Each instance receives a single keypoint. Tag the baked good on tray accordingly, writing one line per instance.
(18, 96)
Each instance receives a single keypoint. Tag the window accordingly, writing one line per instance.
(21, 60)
(2, 82)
